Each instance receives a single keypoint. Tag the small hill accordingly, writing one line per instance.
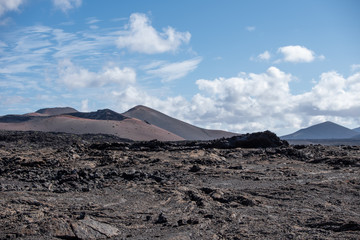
(325, 130)
(56, 111)
(175, 126)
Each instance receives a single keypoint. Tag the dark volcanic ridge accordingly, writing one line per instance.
(254, 186)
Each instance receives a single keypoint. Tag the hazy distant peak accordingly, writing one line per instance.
(325, 130)
(356, 129)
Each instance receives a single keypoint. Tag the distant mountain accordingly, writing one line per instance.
(139, 123)
(326, 130)
(357, 129)
(180, 128)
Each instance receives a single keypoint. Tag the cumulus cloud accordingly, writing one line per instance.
(77, 77)
(245, 98)
(171, 71)
(265, 99)
(9, 5)
(142, 37)
(264, 56)
(333, 94)
(65, 5)
(297, 54)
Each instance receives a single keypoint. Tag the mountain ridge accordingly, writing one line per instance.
(105, 121)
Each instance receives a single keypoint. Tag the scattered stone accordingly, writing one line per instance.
(195, 168)
(161, 219)
(92, 229)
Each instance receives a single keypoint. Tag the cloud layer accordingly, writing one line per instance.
(142, 37)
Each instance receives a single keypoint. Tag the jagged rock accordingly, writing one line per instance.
(88, 228)
(265, 139)
(161, 219)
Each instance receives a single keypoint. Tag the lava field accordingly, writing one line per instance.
(67, 186)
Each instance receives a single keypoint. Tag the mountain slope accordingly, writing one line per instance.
(326, 130)
(180, 128)
(133, 129)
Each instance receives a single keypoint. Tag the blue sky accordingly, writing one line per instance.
(242, 66)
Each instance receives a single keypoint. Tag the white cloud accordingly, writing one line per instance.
(142, 37)
(9, 5)
(65, 5)
(355, 67)
(250, 96)
(297, 54)
(77, 77)
(171, 71)
(265, 99)
(264, 56)
(334, 93)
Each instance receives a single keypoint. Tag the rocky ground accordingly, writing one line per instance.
(62, 186)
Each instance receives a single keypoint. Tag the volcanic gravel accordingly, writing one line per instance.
(64, 186)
